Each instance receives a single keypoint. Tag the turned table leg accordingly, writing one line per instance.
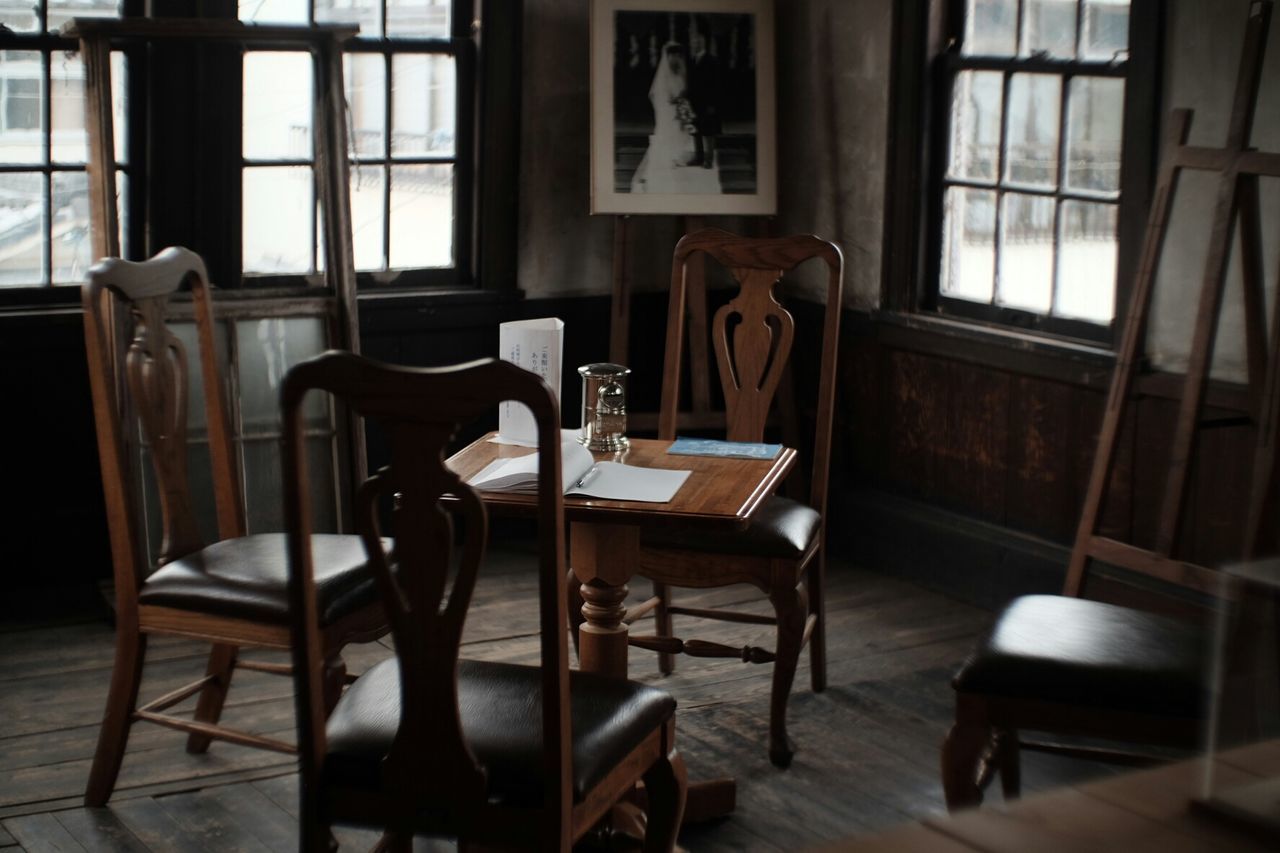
(604, 558)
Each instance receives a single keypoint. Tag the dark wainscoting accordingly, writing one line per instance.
(960, 464)
(54, 523)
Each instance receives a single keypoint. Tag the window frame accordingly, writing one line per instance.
(133, 198)
(462, 47)
(926, 61)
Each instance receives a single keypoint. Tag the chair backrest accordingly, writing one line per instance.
(752, 337)
(431, 508)
(147, 379)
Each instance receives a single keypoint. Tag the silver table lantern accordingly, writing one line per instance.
(604, 406)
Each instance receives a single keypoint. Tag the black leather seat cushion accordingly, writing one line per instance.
(781, 528)
(1081, 652)
(247, 578)
(500, 706)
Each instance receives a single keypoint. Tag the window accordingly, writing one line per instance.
(408, 148)
(1031, 186)
(44, 190)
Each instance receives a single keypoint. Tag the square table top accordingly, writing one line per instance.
(721, 492)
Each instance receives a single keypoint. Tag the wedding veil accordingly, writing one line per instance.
(667, 84)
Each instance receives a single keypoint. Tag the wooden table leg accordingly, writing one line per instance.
(604, 558)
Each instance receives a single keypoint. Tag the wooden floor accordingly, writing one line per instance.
(868, 745)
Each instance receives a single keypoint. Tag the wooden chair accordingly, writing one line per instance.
(782, 552)
(424, 743)
(230, 593)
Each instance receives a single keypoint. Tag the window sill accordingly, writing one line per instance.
(1030, 354)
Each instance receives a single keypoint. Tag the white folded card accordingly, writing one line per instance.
(583, 475)
(537, 346)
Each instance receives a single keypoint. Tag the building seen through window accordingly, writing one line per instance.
(401, 92)
(1032, 183)
(44, 190)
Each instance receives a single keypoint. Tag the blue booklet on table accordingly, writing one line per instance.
(711, 447)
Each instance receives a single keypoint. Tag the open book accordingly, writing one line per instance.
(583, 475)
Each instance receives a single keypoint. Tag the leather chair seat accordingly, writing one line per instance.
(501, 711)
(781, 528)
(247, 578)
(1071, 650)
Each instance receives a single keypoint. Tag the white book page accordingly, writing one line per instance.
(614, 481)
(520, 474)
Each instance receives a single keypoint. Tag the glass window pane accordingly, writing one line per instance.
(22, 229)
(1095, 124)
(21, 116)
(120, 106)
(1032, 135)
(1049, 28)
(366, 13)
(320, 478)
(1086, 261)
(975, 127)
(968, 244)
(68, 141)
(422, 18)
(991, 28)
(267, 348)
(273, 11)
(368, 216)
(365, 76)
(21, 16)
(197, 421)
(72, 250)
(277, 106)
(279, 206)
(421, 216)
(61, 11)
(1025, 277)
(263, 486)
(423, 103)
(1105, 29)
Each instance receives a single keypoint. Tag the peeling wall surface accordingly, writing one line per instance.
(1202, 60)
(833, 86)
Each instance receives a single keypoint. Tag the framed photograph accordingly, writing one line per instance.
(683, 114)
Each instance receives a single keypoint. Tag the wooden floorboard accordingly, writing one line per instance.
(867, 747)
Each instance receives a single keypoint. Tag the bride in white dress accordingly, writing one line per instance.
(664, 168)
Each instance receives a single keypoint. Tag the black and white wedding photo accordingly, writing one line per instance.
(680, 120)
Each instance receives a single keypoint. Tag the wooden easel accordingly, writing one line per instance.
(1237, 200)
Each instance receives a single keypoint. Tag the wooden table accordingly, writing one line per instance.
(1147, 810)
(604, 545)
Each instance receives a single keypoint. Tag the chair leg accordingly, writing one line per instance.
(962, 753)
(791, 607)
(666, 784)
(662, 626)
(122, 700)
(222, 663)
(573, 591)
(1009, 756)
(816, 581)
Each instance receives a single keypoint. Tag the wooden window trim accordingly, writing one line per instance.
(917, 154)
